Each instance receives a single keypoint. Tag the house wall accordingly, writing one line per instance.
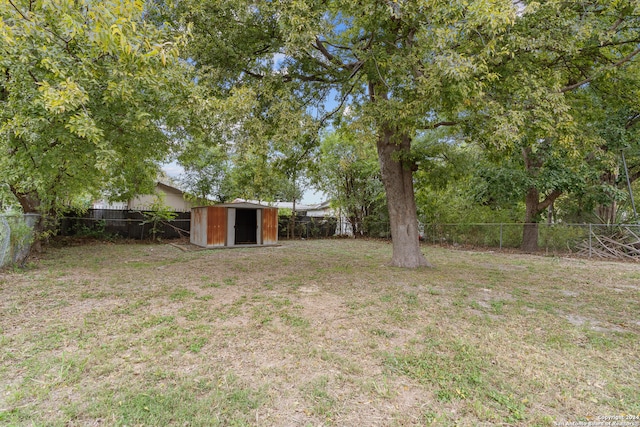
(177, 201)
(173, 200)
(320, 213)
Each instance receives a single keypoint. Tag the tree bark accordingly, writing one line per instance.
(530, 230)
(397, 177)
(355, 229)
(292, 222)
(608, 212)
(30, 204)
(533, 208)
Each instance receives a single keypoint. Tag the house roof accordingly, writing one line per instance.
(163, 183)
(239, 205)
(324, 205)
(168, 187)
(244, 205)
(287, 205)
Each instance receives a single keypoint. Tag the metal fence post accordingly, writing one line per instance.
(5, 241)
(590, 234)
(500, 236)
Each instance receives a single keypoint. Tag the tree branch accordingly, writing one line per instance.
(632, 121)
(337, 46)
(319, 46)
(36, 81)
(252, 74)
(551, 197)
(312, 78)
(19, 11)
(589, 79)
(323, 50)
(616, 24)
(440, 124)
(339, 107)
(66, 42)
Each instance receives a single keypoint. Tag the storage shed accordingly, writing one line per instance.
(234, 224)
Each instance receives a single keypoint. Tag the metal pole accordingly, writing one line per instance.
(590, 234)
(626, 171)
(500, 236)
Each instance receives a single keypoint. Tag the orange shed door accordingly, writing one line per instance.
(216, 225)
(269, 226)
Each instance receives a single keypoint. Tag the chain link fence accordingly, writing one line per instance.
(306, 227)
(603, 240)
(16, 235)
(5, 240)
(615, 241)
(368, 228)
(592, 240)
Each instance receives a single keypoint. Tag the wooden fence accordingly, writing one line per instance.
(124, 223)
(104, 223)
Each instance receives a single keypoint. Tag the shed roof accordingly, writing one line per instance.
(289, 205)
(241, 205)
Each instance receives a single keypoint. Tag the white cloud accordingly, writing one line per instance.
(173, 169)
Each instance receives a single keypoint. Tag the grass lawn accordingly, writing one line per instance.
(316, 333)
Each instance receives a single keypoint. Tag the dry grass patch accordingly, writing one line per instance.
(315, 333)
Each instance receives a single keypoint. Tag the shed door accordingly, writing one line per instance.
(216, 225)
(246, 227)
(269, 226)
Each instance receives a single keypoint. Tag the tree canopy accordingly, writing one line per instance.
(543, 108)
(398, 66)
(87, 92)
(94, 96)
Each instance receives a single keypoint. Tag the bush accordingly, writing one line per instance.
(158, 214)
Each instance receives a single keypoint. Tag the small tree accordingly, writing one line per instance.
(348, 172)
(206, 174)
(157, 216)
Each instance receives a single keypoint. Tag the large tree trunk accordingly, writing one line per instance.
(533, 208)
(355, 229)
(530, 231)
(30, 204)
(397, 177)
(608, 212)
